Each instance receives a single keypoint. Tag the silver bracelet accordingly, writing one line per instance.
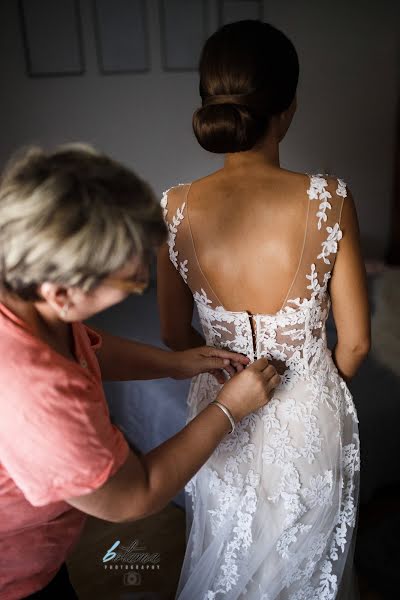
(227, 412)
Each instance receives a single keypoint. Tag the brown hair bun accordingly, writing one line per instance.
(248, 73)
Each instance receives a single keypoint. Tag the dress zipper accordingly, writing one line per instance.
(253, 329)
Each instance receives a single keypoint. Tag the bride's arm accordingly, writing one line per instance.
(175, 305)
(349, 295)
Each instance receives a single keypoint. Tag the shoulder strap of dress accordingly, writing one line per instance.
(329, 196)
(173, 203)
(323, 233)
(182, 251)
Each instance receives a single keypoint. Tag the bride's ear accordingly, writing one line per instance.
(285, 118)
(289, 113)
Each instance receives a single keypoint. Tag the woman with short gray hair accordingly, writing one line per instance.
(76, 233)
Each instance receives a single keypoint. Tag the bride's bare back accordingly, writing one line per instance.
(248, 232)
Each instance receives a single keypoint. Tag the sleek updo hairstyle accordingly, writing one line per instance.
(249, 72)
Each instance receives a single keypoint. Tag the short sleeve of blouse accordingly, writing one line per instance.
(56, 437)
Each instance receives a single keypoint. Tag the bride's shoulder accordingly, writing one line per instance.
(320, 182)
(334, 186)
(173, 191)
(177, 192)
(173, 194)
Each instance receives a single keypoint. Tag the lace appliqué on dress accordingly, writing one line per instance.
(172, 231)
(318, 191)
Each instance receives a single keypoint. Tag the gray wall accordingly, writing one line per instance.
(345, 121)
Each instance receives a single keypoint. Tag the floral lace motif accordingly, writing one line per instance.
(290, 426)
(172, 231)
(329, 246)
(318, 191)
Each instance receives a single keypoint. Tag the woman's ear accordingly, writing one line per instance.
(56, 296)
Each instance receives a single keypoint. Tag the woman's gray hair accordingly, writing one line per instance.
(72, 217)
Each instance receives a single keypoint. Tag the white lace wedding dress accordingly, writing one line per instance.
(272, 514)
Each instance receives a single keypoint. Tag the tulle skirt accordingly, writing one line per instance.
(272, 515)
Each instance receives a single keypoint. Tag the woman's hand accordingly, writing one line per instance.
(250, 390)
(203, 359)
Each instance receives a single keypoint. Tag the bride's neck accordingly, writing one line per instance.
(265, 155)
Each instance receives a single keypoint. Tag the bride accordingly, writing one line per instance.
(264, 253)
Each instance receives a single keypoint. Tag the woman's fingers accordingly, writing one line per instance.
(276, 379)
(238, 366)
(260, 365)
(270, 371)
(273, 377)
(219, 375)
(226, 354)
(230, 370)
(224, 366)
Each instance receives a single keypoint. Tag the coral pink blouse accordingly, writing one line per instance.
(56, 442)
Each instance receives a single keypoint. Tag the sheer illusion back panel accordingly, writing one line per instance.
(317, 232)
(247, 234)
(181, 249)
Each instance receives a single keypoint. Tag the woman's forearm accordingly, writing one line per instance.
(169, 469)
(121, 359)
(144, 484)
(190, 339)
